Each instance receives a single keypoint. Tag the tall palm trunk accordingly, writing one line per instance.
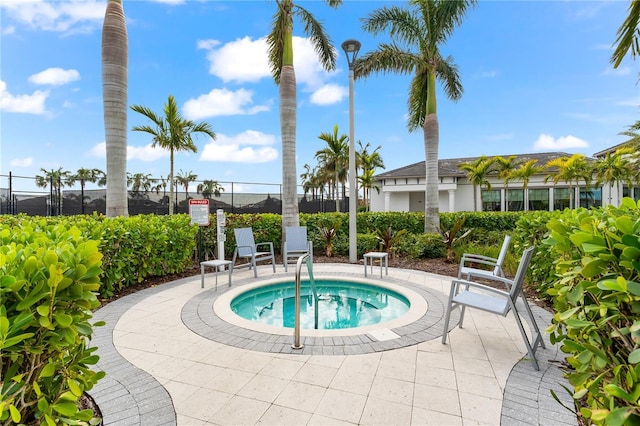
(290, 211)
(171, 189)
(431, 131)
(114, 87)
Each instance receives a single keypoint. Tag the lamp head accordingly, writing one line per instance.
(351, 48)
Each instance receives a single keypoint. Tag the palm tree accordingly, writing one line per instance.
(55, 179)
(335, 159)
(368, 162)
(173, 133)
(115, 51)
(524, 173)
(209, 187)
(614, 168)
(628, 35)
(417, 34)
(477, 173)
(280, 48)
(184, 178)
(505, 167)
(86, 175)
(366, 183)
(570, 169)
(139, 182)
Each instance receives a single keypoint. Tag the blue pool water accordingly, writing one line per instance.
(341, 304)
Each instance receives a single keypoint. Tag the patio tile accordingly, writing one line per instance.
(300, 396)
(282, 368)
(263, 388)
(421, 416)
(479, 385)
(315, 374)
(381, 412)
(439, 377)
(203, 403)
(342, 405)
(240, 411)
(367, 363)
(352, 381)
(393, 390)
(230, 380)
(284, 416)
(436, 399)
(479, 408)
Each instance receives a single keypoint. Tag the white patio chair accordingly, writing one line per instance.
(493, 267)
(470, 294)
(296, 244)
(246, 247)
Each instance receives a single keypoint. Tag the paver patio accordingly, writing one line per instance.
(161, 371)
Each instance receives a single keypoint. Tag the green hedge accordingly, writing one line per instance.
(49, 276)
(597, 300)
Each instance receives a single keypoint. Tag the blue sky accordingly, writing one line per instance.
(536, 77)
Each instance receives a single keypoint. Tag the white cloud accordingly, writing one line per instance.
(55, 76)
(242, 60)
(9, 30)
(171, 2)
(27, 104)
(143, 153)
(241, 148)
(220, 102)
(21, 162)
(62, 16)
(245, 60)
(329, 94)
(634, 102)
(549, 143)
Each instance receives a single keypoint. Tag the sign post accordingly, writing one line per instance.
(199, 213)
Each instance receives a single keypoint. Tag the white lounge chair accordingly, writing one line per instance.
(470, 294)
(246, 247)
(493, 267)
(295, 244)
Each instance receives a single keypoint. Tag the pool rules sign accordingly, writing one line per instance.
(199, 212)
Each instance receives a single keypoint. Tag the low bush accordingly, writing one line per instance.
(596, 296)
(49, 278)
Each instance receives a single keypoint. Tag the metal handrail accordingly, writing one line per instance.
(296, 329)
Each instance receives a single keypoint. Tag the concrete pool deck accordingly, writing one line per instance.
(170, 360)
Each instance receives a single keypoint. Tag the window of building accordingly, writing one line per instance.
(515, 200)
(591, 197)
(561, 198)
(539, 199)
(631, 192)
(491, 200)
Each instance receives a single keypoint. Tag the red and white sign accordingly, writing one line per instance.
(199, 212)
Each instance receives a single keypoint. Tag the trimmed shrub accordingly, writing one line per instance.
(597, 300)
(49, 276)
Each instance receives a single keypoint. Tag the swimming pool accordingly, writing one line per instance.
(340, 304)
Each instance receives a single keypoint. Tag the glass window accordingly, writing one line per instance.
(561, 198)
(626, 192)
(591, 197)
(539, 199)
(515, 200)
(491, 200)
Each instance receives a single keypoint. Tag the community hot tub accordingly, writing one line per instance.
(345, 306)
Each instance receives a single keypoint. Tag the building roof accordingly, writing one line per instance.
(612, 149)
(449, 167)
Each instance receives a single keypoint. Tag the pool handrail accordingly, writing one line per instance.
(296, 329)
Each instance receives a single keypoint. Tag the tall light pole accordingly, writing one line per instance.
(351, 48)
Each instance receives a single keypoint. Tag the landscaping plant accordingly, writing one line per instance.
(597, 302)
(49, 278)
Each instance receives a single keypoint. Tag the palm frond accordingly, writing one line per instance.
(387, 58)
(447, 72)
(319, 38)
(403, 25)
(275, 40)
(418, 93)
(628, 35)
